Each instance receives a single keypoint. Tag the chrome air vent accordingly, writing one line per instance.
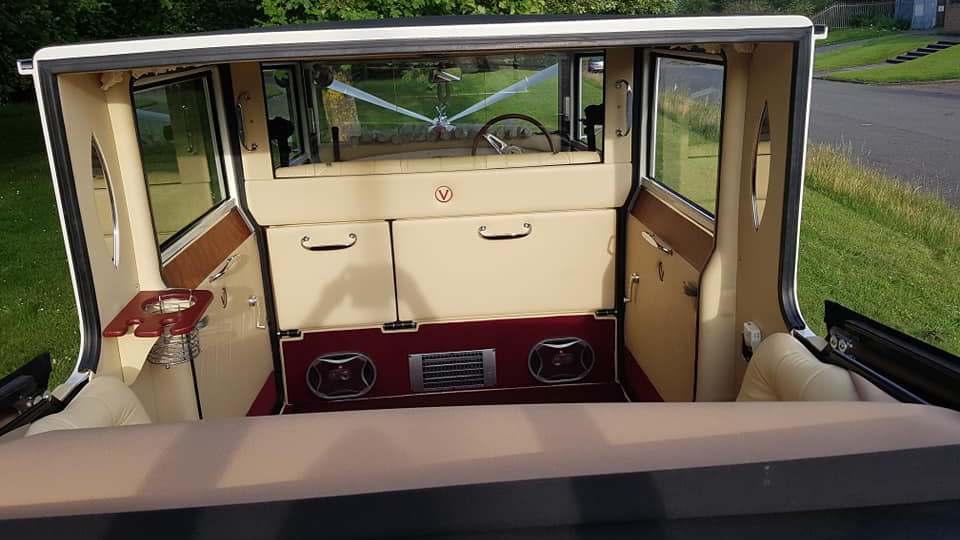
(457, 370)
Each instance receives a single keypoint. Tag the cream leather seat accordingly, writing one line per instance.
(782, 369)
(103, 402)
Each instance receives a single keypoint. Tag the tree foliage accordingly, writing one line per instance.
(278, 12)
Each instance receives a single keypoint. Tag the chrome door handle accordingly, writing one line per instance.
(482, 231)
(655, 242)
(241, 126)
(629, 107)
(328, 247)
(226, 267)
(634, 279)
(253, 301)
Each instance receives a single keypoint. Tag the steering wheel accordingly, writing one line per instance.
(501, 146)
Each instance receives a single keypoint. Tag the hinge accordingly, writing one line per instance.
(399, 325)
(608, 312)
(289, 333)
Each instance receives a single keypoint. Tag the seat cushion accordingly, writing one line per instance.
(103, 402)
(782, 369)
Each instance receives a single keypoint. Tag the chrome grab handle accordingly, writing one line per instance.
(482, 231)
(328, 247)
(226, 267)
(655, 242)
(634, 279)
(629, 107)
(241, 126)
(253, 301)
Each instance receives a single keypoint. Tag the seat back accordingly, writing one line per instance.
(782, 369)
(103, 402)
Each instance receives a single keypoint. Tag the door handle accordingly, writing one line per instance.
(628, 107)
(254, 302)
(226, 267)
(482, 231)
(654, 241)
(352, 239)
(241, 126)
(634, 279)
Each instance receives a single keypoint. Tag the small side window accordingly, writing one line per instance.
(280, 86)
(106, 202)
(761, 169)
(687, 105)
(180, 152)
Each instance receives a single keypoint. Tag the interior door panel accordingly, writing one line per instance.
(662, 312)
(332, 275)
(559, 262)
(236, 356)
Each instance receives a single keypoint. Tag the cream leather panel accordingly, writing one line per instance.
(236, 357)
(103, 402)
(321, 289)
(248, 82)
(782, 369)
(719, 344)
(660, 320)
(235, 461)
(759, 272)
(446, 270)
(292, 201)
(86, 115)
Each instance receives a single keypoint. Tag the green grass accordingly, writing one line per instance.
(853, 34)
(880, 248)
(873, 51)
(37, 310)
(939, 66)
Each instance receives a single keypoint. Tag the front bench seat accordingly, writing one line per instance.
(103, 402)
(782, 369)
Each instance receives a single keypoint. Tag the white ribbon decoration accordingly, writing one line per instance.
(516, 88)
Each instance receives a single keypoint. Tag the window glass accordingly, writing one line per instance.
(283, 124)
(686, 151)
(106, 204)
(421, 108)
(591, 101)
(761, 169)
(181, 159)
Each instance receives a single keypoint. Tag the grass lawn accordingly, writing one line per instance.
(879, 248)
(852, 34)
(939, 66)
(37, 310)
(873, 51)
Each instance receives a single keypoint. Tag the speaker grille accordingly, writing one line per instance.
(456, 370)
(341, 375)
(561, 360)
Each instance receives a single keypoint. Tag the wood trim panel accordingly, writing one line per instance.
(687, 239)
(198, 260)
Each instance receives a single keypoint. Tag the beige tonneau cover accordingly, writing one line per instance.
(217, 462)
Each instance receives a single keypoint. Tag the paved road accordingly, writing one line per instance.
(910, 131)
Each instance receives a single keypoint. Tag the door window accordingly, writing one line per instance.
(180, 151)
(106, 203)
(687, 105)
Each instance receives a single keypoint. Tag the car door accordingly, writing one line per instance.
(671, 223)
(205, 242)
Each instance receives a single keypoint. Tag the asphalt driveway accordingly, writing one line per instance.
(911, 131)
